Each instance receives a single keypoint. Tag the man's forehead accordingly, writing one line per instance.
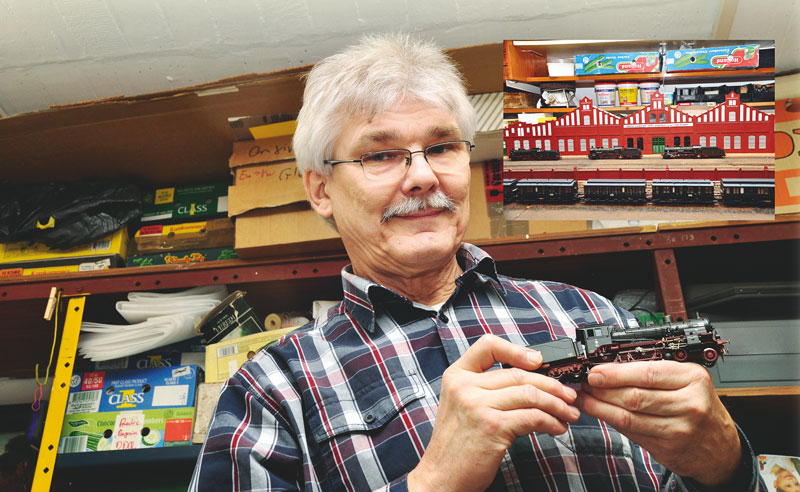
(384, 135)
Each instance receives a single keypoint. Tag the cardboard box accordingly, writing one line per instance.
(223, 359)
(29, 258)
(721, 58)
(604, 63)
(189, 256)
(269, 203)
(207, 397)
(129, 409)
(189, 352)
(186, 203)
(158, 238)
(110, 431)
(26, 252)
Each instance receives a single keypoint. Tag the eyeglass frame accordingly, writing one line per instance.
(408, 159)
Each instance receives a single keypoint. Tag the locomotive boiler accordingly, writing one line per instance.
(570, 360)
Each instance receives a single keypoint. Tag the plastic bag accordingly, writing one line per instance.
(63, 215)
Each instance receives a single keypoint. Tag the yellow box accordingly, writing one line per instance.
(23, 252)
(223, 359)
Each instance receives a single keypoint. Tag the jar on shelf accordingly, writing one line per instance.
(606, 93)
(647, 89)
(627, 92)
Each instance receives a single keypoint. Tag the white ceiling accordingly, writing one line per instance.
(63, 51)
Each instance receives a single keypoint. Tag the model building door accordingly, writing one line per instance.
(658, 145)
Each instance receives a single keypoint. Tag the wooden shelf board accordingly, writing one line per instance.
(676, 76)
(760, 391)
(630, 109)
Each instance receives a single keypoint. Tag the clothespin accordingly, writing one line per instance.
(51, 304)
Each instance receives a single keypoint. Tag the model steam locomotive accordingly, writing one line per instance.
(570, 360)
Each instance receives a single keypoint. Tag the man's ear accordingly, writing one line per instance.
(314, 183)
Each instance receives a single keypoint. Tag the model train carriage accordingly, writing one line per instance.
(547, 190)
(748, 191)
(615, 191)
(509, 190)
(683, 191)
(534, 154)
(631, 153)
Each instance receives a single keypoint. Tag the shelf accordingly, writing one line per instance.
(131, 457)
(630, 109)
(760, 391)
(679, 77)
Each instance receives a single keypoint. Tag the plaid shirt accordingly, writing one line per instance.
(349, 402)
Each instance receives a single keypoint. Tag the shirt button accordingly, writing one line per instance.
(369, 418)
(443, 318)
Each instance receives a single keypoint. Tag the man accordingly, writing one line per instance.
(400, 387)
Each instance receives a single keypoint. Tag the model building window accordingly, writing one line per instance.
(677, 141)
(583, 145)
(526, 144)
(652, 117)
(561, 145)
(592, 144)
(732, 116)
(726, 141)
(737, 142)
(586, 120)
(570, 145)
(538, 144)
(751, 142)
(614, 142)
(762, 141)
(630, 142)
(662, 117)
(702, 141)
(605, 143)
(712, 141)
(516, 144)
(547, 145)
(687, 141)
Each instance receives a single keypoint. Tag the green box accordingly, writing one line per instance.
(186, 203)
(129, 429)
(231, 318)
(190, 256)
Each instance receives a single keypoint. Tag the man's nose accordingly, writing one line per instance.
(419, 175)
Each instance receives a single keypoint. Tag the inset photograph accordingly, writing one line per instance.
(639, 130)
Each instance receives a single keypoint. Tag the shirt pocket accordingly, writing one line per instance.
(336, 412)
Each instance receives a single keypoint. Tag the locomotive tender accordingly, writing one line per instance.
(534, 154)
(570, 360)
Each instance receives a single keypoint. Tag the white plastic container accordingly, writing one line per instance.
(627, 92)
(647, 89)
(606, 93)
(560, 67)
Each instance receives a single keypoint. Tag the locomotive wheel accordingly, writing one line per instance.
(681, 355)
(710, 357)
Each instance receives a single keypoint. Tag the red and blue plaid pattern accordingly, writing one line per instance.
(349, 402)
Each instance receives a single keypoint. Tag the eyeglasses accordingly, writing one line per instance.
(392, 164)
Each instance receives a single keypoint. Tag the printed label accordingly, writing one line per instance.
(170, 396)
(128, 430)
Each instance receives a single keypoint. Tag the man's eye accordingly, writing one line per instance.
(442, 148)
(388, 157)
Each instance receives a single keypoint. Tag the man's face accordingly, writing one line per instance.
(405, 244)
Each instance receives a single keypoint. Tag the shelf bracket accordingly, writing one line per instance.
(48, 448)
(668, 284)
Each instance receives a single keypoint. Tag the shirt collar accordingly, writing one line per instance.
(362, 296)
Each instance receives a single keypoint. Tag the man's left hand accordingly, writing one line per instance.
(671, 410)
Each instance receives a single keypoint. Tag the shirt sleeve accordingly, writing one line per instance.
(745, 479)
(249, 445)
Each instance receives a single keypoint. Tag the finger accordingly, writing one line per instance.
(490, 349)
(641, 400)
(529, 397)
(526, 421)
(666, 375)
(502, 378)
(625, 421)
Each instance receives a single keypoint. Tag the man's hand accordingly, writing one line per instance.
(672, 411)
(481, 413)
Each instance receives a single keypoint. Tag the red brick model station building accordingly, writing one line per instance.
(732, 126)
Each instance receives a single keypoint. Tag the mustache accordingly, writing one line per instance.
(412, 205)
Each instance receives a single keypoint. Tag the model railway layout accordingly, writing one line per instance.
(752, 192)
(570, 360)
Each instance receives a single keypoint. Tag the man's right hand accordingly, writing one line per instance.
(481, 412)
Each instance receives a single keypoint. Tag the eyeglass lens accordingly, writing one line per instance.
(391, 164)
